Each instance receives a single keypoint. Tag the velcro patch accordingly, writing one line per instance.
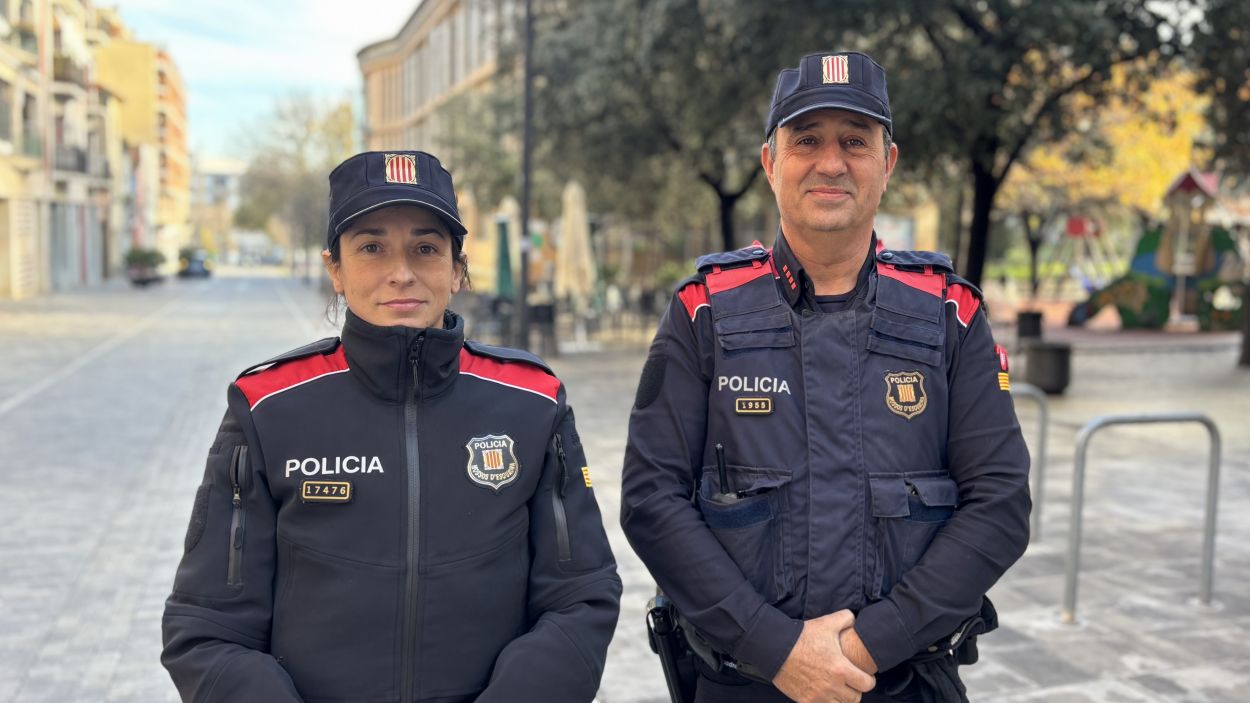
(326, 492)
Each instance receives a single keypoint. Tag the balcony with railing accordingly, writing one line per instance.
(32, 142)
(24, 37)
(98, 164)
(65, 70)
(6, 118)
(70, 158)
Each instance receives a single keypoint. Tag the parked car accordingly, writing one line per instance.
(194, 263)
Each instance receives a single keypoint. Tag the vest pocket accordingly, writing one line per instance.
(905, 336)
(908, 510)
(752, 528)
(757, 331)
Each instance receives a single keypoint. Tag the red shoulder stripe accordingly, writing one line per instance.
(719, 281)
(514, 374)
(966, 302)
(258, 386)
(693, 296)
(927, 281)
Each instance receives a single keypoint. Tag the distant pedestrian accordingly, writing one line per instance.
(824, 470)
(396, 514)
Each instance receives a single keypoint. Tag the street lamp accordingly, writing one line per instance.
(523, 331)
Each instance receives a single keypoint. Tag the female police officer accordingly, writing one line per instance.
(396, 514)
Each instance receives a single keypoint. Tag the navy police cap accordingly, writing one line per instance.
(841, 80)
(376, 179)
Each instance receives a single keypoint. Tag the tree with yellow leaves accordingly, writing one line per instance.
(1120, 155)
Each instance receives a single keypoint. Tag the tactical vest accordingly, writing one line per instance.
(833, 429)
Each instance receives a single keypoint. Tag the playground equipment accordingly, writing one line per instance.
(1185, 270)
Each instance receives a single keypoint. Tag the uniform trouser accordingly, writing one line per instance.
(714, 688)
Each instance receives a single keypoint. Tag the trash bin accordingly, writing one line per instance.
(1049, 365)
(1028, 325)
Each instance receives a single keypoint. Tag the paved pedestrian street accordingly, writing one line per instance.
(110, 398)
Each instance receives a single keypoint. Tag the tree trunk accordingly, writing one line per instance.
(1034, 237)
(957, 228)
(985, 187)
(727, 203)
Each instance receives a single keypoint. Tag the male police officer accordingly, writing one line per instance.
(824, 471)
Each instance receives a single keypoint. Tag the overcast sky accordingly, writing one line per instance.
(237, 57)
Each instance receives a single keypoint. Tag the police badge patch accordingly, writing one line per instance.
(904, 393)
(492, 461)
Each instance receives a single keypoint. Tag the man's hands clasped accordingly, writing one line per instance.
(828, 664)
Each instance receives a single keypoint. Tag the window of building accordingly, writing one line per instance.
(455, 46)
(410, 83)
(6, 110)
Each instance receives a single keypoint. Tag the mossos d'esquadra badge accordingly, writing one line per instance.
(492, 461)
(904, 393)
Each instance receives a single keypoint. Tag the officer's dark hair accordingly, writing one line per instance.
(336, 253)
(772, 144)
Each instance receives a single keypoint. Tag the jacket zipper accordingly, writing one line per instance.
(558, 495)
(238, 464)
(414, 535)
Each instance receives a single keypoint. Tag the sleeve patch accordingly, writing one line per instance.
(258, 386)
(652, 379)
(199, 518)
(520, 375)
(693, 297)
(966, 302)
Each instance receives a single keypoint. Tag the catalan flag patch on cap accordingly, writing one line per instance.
(401, 168)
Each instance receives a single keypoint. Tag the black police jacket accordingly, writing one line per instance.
(396, 516)
(873, 454)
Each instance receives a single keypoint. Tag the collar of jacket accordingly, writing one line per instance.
(380, 357)
(796, 286)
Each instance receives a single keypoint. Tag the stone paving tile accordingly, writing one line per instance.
(105, 463)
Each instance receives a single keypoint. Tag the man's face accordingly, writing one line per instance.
(829, 172)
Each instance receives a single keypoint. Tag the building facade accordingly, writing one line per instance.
(446, 49)
(214, 199)
(154, 129)
(88, 167)
(25, 65)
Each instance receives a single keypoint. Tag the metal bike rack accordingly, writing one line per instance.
(1026, 390)
(1068, 612)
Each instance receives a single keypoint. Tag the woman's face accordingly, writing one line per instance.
(395, 267)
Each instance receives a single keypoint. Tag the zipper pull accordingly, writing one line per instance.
(236, 475)
(564, 469)
(414, 358)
